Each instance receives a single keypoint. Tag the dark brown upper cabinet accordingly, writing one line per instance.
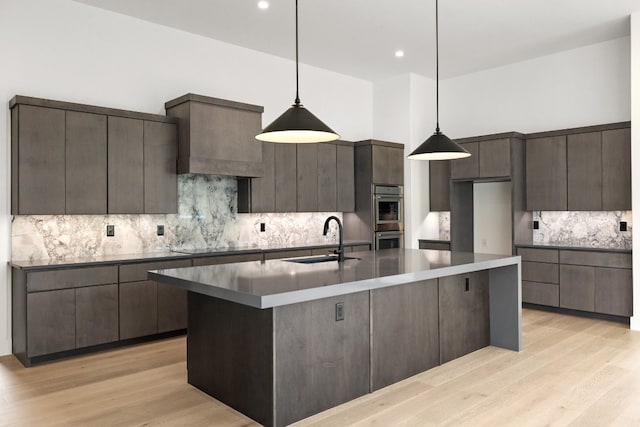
(387, 163)
(580, 169)
(81, 159)
(439, 185)
(546, 173)
(301, 178)
(584, 172)
(217, 136)
(616, 169)
(490, 158)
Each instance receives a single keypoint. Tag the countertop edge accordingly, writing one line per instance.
(304, 295)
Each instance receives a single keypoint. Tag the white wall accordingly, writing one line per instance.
(635, 161)
(63, 50)
(492, 217)
(404, 112)
(579, 87)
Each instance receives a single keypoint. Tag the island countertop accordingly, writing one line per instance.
(281, 282)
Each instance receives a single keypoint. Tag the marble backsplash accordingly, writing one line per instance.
(574, 229)
(207, 218)
(583, 229)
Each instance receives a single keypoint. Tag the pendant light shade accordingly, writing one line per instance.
(438, 146)
(297, 124)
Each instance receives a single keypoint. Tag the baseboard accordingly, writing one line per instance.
(634, 323)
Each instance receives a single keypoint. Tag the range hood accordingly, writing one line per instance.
(217, 136)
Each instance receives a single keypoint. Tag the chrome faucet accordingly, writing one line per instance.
(340, 250)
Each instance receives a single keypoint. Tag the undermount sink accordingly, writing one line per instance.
(317, 259)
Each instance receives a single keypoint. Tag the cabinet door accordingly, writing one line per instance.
(138, 309)
(327, 177)
(307, 176)
(466, 168)
(51, 322)
(614, 291)
(387, 165)
(404, 325)
(584, 172)
(40, 161)
(494, 158)
(345, 176)
(577, 287)
(172, 308)
(96, 315)
(439, 186)
(125, 165)
(616, 169)
(464, 314)
(263, 189)
(160, 167)
(86, 163)
(546, 174)
(285, 178)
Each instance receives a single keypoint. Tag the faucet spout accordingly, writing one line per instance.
(325, 230)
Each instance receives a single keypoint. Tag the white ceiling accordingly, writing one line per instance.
(359, 37)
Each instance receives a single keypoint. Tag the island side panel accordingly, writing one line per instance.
(320, 362)
(464, 314)
(505, 295)
(404, 332)
(230, 354)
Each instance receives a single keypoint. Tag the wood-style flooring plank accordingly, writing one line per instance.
(572, 372)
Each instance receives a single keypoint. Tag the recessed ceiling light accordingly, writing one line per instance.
(399, 53)
(263, 4)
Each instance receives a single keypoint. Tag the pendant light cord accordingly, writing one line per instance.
(297, 101)
(437, 75)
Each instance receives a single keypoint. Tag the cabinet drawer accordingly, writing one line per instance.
(324, 251)
(137, 272)
(71, 278)
(540, 272)
(596, 259)
(538, 255)
(541, 293)
(226, 259)
(358, 248)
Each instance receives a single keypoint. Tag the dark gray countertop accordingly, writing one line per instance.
(167, 255)
(280, 282)
(576, 248)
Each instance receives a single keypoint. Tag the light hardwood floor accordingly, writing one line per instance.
(572, 371)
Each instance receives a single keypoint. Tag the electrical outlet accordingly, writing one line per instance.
(160, 230)
(536, 224)
(339, 311)
(111, 230)
(263, 227)
(623, 225)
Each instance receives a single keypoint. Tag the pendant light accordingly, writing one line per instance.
(297, 124)
(438, 146)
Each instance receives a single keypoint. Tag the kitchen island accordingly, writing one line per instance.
(282, 340)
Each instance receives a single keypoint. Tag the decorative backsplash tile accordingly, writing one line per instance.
(583, 229)
(207, 218)
(445, 226)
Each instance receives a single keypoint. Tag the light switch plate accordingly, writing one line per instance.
(111, 230)
(160, 230)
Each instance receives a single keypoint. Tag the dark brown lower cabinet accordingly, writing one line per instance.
(464, 314)
(404, 327)
(51, 322)
(172, 308)
(96, 315)
(614, 291)
(138, 309)
(577, 287)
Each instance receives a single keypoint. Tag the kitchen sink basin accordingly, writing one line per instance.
(317, 259)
